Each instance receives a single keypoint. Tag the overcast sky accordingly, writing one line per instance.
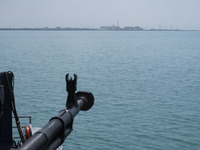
(181, 14)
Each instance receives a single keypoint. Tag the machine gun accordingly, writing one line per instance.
(53, 134)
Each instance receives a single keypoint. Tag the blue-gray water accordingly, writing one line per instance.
(146, 85)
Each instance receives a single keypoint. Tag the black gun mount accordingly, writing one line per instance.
(53, 134)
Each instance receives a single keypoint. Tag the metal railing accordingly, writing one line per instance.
(23, 126)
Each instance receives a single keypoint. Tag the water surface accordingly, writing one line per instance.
(146, 85)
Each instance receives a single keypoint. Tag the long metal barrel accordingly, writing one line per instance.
(56, 129)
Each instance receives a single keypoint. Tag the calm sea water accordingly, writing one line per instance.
(146, 85)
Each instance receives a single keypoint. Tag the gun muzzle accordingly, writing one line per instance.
(59, 127)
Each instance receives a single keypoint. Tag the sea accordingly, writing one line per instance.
(146, 85)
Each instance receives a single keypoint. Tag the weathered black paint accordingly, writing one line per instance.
(6, 140)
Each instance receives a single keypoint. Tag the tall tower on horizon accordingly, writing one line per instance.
(118, 23)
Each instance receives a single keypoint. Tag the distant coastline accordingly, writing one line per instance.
(102, 28)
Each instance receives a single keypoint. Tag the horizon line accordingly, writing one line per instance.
(102, 28)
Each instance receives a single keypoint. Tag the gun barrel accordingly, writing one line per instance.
(54, 133)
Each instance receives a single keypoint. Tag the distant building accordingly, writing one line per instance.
(104, 28)
(117, 28)
(108, 28)
(128, 28)
(113, 27)
(58, 28)
(137, 28)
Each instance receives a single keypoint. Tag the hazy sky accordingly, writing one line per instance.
(181, 14)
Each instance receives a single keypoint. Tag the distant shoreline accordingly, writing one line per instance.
(104, 28)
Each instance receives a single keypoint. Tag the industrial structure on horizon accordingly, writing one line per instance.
(102, 28)
(117, 28)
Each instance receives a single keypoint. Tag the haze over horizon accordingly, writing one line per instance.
(175, 14)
